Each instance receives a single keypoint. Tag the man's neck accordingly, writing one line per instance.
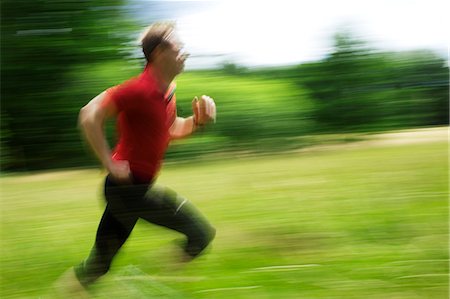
(163, 79)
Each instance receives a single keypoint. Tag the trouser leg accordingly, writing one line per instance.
(158, 205)
(115, 226)
(111, 235)
(165, 207)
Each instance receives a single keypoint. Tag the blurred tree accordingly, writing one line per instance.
(356, 88)
(230, 68)
(425, 77)
(42, 40)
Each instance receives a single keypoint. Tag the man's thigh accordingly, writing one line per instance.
(167, 208)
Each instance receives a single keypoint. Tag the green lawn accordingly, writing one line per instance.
(349, 222)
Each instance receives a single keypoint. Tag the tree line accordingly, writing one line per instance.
(56, 55)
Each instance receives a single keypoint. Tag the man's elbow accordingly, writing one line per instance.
(83, 117)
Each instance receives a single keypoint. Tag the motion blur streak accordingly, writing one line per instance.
(338, 161)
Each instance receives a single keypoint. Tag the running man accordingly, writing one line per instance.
(145, 109)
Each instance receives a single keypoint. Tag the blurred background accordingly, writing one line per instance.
(279, 70)
(326, 174)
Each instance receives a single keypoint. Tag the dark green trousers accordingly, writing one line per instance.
(157, 205)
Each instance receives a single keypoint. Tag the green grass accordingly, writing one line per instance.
(356, 222)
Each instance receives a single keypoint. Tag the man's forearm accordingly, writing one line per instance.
(92, 129)
(182, 127)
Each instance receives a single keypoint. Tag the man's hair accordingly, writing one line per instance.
(156, 34)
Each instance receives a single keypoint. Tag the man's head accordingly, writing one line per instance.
(162, 48)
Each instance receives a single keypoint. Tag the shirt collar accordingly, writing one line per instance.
(149, 73)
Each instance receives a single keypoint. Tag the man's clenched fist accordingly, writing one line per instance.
(204, 110)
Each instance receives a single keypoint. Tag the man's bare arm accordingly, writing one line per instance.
(204, 112)
(92, 118)
(182, 127)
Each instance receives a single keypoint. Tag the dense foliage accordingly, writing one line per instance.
(42, 43)
(357, 88)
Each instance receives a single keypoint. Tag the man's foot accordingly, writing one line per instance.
(68, 286)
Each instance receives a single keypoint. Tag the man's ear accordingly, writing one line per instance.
(157, 51)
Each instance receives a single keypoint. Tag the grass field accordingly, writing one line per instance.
(366, 220)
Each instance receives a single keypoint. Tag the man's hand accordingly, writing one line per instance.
(120, 171)
(204, 110)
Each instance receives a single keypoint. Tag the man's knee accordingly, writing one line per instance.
(208, 236)
(197, 245)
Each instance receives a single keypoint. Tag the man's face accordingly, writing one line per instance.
(172, 56)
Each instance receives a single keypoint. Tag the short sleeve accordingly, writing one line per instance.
(117, 96)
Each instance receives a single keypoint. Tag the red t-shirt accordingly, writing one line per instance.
(144, 118)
